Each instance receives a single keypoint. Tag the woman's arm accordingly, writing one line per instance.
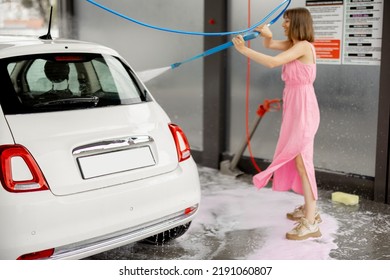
(278, 45)
(297, 51)
(270, 43)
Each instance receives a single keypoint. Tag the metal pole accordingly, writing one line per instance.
(244, 143)
(230, 167)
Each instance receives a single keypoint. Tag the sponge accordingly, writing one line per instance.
(345, 198)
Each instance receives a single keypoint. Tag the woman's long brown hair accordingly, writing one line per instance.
(301, 24)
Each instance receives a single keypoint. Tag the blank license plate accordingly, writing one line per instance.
(115, 162)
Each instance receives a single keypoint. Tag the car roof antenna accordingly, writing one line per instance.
(48, 35)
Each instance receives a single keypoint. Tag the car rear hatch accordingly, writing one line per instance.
(82, 150)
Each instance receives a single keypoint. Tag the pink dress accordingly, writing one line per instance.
(300, 121)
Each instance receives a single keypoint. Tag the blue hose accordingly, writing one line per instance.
(248, 33)
(247, 37)
(199, 33)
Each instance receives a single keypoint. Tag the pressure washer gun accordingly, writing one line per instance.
(272, 105)
(248, 36)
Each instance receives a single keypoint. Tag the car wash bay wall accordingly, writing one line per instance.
(348, 95)
(207, 97)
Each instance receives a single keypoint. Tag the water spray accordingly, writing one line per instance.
(148, 75)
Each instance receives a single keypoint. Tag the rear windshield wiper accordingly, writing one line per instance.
(70, 101)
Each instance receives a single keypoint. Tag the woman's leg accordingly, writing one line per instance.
(310, 202)
(307, 226)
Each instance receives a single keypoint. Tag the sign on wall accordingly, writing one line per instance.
(348, 31)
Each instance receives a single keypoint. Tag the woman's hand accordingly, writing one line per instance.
(239, 43)
(264, 31)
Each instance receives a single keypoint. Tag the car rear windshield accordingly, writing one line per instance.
(58, 82)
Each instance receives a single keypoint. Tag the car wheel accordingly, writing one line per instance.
(166, 236)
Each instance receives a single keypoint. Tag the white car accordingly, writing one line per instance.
(89, 160)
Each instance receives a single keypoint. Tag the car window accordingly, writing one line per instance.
(11, 67)
(38, 81)
(57, 82)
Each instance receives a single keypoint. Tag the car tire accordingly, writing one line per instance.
(167, 236)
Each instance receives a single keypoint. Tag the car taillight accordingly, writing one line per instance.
(182, 145)
(37, 255)
(19, 171)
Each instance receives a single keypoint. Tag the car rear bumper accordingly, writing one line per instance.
(117, 239)
(87, 223)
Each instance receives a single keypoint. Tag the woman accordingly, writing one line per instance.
(292, 166)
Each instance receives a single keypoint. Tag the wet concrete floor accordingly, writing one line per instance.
(237, 221)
